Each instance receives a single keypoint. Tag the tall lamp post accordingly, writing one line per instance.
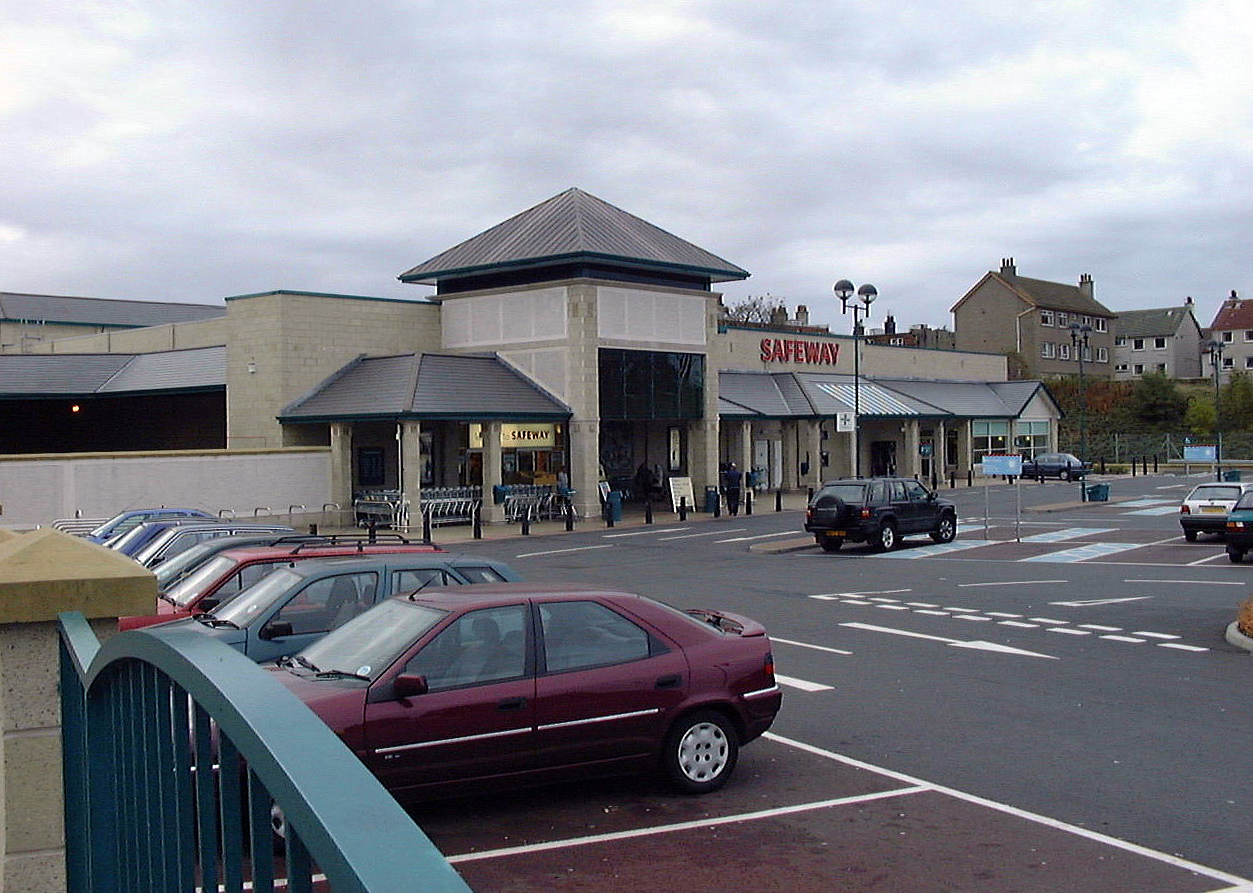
(1216, 360)
(1079, 338)
(859, 308)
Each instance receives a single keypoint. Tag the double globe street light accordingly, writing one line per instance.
(859, 308)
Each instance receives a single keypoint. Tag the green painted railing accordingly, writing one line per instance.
(177, 749)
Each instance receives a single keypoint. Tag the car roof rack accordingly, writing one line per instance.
(360, 540)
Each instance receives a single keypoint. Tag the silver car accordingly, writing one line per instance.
(1205, 509)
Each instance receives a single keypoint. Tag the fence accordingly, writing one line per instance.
(176, 751)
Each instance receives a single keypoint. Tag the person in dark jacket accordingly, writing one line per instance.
(731, 479)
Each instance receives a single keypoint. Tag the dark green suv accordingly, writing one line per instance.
(1239, 530)
(879, 511)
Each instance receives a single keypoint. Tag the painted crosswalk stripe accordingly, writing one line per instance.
(1068, 533)
(1083, 553)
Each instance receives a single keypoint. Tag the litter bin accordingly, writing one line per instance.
(1233, 475)
(1098, 493)
(613, 506)
(498, 493)
(711, 499)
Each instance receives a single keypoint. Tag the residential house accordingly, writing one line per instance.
(1232, 329)
(1161, 339)
(920, 335)
(1047, 324)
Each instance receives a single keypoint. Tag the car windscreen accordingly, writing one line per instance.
(249, 604)
(371, 642)
(186, 591)
(173, 568)
(1245, 501)
(1215, 491)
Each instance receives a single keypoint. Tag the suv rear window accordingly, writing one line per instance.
(846, 492)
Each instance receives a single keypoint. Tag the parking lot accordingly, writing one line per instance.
(871, 782)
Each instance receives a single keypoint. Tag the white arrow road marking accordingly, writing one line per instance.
(801, 683)
(807, 645)
(1100, 601)
(833, 595)
(956, 643)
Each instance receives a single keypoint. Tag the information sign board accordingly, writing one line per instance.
(994, 465)
(1200, 453)
(680, 489)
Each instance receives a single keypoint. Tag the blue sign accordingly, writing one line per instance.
(1011, 465)
(1200, 453)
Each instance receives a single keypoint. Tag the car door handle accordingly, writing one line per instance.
(671, 681)
(511, 704)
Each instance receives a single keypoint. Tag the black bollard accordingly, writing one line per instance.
(426, 527)
(717, 507)
(372, 530)
(526, 523)
(748, 501)
(778, 500)
(569, 516)
(970, 477)
(648, 511)
(478, 522)
(809, 495)
(682, 508)
(1102, 465)
(1155, 463)
(313, 530)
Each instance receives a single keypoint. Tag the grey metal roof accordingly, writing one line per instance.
(812, 394)
(15, 307)
(573, 225)
(432, 386)
(47, 375)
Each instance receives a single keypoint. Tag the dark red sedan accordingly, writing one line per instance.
(441, 692)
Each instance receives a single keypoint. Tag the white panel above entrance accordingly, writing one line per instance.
(627, 314)
(517, 318)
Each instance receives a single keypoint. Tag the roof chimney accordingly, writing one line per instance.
(1085, 284)
(1187, 302)
(1007, 267)
(889, 325)
(802, 315)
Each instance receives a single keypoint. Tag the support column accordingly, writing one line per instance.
(744, 450)
(702, 457)
(913, 461)
(811, 437)
(341, 472)
(964, 446)
(584, 471)
(411, 469)
(493, 512)
(791, 466)
(939, 458)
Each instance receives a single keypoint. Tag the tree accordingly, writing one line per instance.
(1200, 417)
(1157, 400)
(1237, 403)
(755, 308)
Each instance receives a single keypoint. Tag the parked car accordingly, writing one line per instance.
(124, 521)
(1063, 466)
(171, 571)
(139, 536)
(879, 511)
(1239, 527)
(230, 572)
(507, 684)
(177, 540)
(1204, 510)
(301, 602)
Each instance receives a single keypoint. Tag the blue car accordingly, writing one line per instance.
(124, 521)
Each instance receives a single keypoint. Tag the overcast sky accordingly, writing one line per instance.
(187, 151)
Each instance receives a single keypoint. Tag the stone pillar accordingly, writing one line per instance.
(411, 469)
(702, 457)
(811, 444)
(585, 466)
(42, 574)
(493, 512)
(744, 449)
(912, 466)
(791, 466)
(964, 446)
(341, 471)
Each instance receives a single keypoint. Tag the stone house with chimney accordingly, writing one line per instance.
(1049, 325)
(1168, 340)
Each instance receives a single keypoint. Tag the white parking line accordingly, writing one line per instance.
(691, 536)
(1013, 583)
(808, 645)
(1238, 884)
(562, 551)
(802, 684)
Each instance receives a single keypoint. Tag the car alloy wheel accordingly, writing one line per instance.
(701, 750)
(946, 530)
(887, 537)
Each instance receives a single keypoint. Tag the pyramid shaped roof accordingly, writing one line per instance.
(573, 226)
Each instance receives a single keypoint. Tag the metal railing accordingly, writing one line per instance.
(177, 750)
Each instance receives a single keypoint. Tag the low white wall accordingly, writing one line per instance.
(36, 490)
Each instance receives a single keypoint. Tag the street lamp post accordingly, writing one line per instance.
(1216, 360)
(1079, 338)
(865, 295)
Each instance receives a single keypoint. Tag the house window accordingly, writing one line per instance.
(1046, 317)
(1248, 334)
(1137, 344)
(1087, 353)
(1047, 350)
(1137, 369)
(1228, 337)
(1099, 324)
(1120, 341)
(1102, 355)
(988, 437)
(1120, 367)
(1063, 351)
(1062, 319)
(1161, 367)
(1160, 343)
(1248, 362)
(1228, 363)
(1031, 438)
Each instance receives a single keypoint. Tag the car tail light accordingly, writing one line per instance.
(1184, 510)
(866, 513)
(769, 665)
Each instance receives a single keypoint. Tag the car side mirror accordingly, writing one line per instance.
(275, 629)
(932, 496)
(208, 604)
(407, 685)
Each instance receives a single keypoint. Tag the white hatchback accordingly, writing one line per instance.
(1205, 509)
